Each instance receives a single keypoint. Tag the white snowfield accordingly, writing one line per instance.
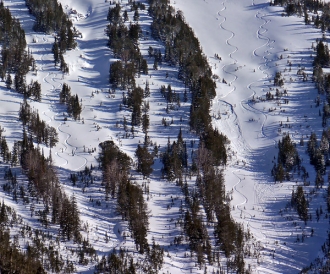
(254, 42)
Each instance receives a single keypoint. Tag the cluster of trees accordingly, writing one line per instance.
(316, 155)
(58, 57)
(300, 203)
(145, 160)
(12, 259)
(123, 41)
(196, 231)
(4, 149)
(170, 95)
(14, 57)
(41, 253)
(44, 184)
(319, 155)
(287, 159)
(43, 133)
(50, 17)
(229, 235)
(122, 75)
(32, 90)
(215, 142)
(132, 207)
(83, 177)
(175, 159)
(322, 59)
(210, 197)
(115, 165)
(278, 79)
(130, 202)
(123, 262)
(304, 7)
(182, 48)
(134, 101)
(157, 55)
(72, 102)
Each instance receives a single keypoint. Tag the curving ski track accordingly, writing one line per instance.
(53, 87)
(247, 105)
(232, 35)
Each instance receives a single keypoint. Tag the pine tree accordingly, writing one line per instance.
(9, 81)
(145, 122)
(65, 94)
(55, 51)
(299, 201)
(146, 90)
(136, 15)
(145, 160)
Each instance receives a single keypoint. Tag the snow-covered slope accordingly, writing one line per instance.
(254, 42)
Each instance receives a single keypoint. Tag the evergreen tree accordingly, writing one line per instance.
(299, 202)
(9, 81)
(145, 160)
(146, 90)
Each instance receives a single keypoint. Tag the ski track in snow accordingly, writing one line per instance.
(263, 189)
(222, 99)
(240, 137)
(53, 88)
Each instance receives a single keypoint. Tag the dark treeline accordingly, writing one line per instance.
(57, 211)
(131, 205)
(123, 41)
(42, 133)
(41, 248)
(230, 237)
(182, 48)
(130, 202)
(50, 17)
(14, 57)
(175, 159)
(44, 184)
(13, 260)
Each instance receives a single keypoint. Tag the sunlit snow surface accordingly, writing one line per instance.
(254, 41)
